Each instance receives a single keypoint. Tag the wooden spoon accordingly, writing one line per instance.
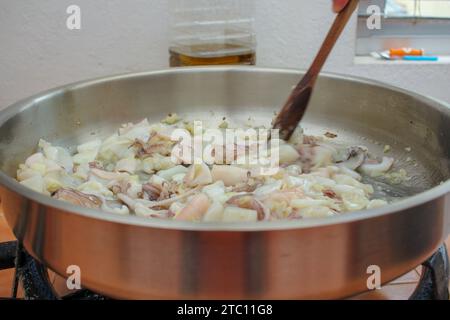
(295, 107)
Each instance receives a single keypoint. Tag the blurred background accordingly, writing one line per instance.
(38, 51)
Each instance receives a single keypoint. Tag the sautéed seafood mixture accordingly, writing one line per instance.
(134, 172)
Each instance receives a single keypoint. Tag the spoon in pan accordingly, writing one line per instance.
(295, 107)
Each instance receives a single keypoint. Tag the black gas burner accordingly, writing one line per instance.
(433, 284)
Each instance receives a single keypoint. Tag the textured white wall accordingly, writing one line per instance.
(37, 51)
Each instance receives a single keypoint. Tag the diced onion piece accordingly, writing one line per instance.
(172, 118)
(157, 180)
(214, 213)
(37, 158)
(287, 154)
(52, 184)
(25, 173)
(347, 180)
(90, 146)
(157, 162)
(216, 191)
(123, 210)
(297, 136)
(268, 188)
(322, 156)
(87, 152)
(95, 188)
(305, 203)
(176, 207)
(127, 165)
(316, 212)
(178, 178)
(35, 183)
(376, 203)
(353, 201)
(169, 173)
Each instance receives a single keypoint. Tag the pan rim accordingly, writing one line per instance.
(67, 208)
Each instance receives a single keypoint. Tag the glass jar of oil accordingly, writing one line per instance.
(212, 32)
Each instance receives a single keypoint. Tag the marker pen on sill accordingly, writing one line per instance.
(420, 58)
(406, 52)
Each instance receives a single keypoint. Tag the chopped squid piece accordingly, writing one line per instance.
(349, 172)
(374, 168)
(236, 214)
(143, 211)
(230, 175)
(169, 201)
(119, 186)
(132, 203)
(78, 198)
(106, 175)
(250, 202)
(195, 209)
(353, 158)
(153, 191)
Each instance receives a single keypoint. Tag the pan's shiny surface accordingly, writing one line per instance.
(132, 257)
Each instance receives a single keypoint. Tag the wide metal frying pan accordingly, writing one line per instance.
(132, 257)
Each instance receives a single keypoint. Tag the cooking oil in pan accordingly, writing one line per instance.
(211, 54)
(390, 192)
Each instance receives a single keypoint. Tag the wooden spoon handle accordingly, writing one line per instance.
(295, 107)
(333, 35)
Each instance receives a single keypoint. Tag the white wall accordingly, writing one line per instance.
(37, 51)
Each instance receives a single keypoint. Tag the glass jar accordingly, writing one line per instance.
(212, 32)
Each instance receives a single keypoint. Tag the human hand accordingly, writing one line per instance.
(338, 5)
